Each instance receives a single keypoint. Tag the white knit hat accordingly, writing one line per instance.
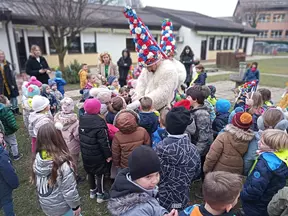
(39, 103)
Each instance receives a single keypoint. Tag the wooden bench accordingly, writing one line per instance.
(238, 78)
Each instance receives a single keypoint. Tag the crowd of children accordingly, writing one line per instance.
(152, 157)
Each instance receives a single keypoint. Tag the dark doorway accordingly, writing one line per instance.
(245, 45)
(203, 49)
(21, 53)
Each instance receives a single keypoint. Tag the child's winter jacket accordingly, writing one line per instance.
(70, 130)
(211, 110)
(83, 78)
(284, 102)
(201, 79)
(8, 120)
(149, 121)
(158, 136)
(110, 117)
(279, 204)
(127, 198)
(60, 84)
(36, 120)
(268, 176)
(250, 75)
(8, 178)
(220, 122)
(129, 136)
(199, 210)
(180, 165)
(200, 130)
(63, 196)
(52, 100)
(227, 151)
(94, 143)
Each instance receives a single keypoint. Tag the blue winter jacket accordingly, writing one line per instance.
(149, 121)
(60, 84)
(8, 178)
(201, 79)
(250, 76)
(220, 122)
(268, 176)
(158, 136)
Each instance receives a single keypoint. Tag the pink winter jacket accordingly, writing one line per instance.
(70, 130)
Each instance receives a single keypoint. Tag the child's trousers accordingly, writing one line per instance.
(26, 118)
(99, 180)
(7, 206)
(11, 141)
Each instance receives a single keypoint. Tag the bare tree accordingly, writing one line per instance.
(62, 19)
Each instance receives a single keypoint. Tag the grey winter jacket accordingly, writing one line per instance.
(36, 120)
(63, 196)
(200, 130)
(278, 206)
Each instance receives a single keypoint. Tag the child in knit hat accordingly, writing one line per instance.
(54, 91)
(113, 83)
(46, 92)
(227, 151)
(268, 174)
(41, 115)
(222, 108)
(60, 82)
(179, 159)
(69, 128)
(135, 188)
(95, 147)
(103, 94)
(161, 131)
(33, 81)
(10, 126)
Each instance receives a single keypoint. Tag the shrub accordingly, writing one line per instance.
(71, 72)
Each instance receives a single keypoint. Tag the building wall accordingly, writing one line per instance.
(4, 42)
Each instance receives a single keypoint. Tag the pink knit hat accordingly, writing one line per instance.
(92, 106)
(34, 81)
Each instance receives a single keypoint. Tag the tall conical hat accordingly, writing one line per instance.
(168, 39)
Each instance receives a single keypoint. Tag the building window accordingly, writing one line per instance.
(264, 18)
(226, 41)
(276, 33)
(232, 44)
(263, 34)
(130, 44)
(51, 47)
(286, 34)
(278, 17)
(240, 42)
(218, 44)
(249, 19)
(75, 46)
(39, 41)
(90, 47)
(211, 43)
(89, 42)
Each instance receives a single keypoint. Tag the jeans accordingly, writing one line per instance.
(7, 206)
(100, 182)
(14, 103)
(11, 141)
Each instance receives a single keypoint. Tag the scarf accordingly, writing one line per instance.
(4, 78)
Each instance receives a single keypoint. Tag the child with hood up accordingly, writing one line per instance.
(46, 92)
(69, 128)
(60, 82)
(227, 151)
(83, 75)
(222, 108)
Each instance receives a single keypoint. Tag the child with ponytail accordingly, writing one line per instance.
(53, 174)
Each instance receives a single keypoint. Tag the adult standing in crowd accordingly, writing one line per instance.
(107, 68)
(187, 58)
(124, 64)
(8, 85)
(37, 65)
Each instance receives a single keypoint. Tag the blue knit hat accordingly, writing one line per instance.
(223, 106)
(51, 83)
(32, 90)
(58, 74)
(111, 79)
(233, 113)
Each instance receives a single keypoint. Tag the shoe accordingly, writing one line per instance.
(18, 157)
(102, 197)
(93, 194)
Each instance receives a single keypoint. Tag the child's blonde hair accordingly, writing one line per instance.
(275, 139)
(272, 117)
(89, 76)
(257, 100)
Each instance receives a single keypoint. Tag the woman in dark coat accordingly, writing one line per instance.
(37, 65)
(187, 58)
(124, 64)
(8, 85)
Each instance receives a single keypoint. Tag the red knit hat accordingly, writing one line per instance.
(242, 120)
(185, 103)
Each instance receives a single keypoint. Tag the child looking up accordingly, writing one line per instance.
(53, 174)
(135, 188)
(95, 148)
(60, 82)
(222, 108)
(8, 179)
(161, 132)
(83, 76)
(268, 174)
(252, 73)
(129, 137)
(46, 92)
(221, 191)
(179, 159)
(10, 126)
(148, 118)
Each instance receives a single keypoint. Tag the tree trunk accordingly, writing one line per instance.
(61, 58)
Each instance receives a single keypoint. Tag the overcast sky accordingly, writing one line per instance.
(214, 8)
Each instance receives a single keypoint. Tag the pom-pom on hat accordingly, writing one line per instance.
(242, 120)
(34, 81)
(32, 90)
(92, 106)
(39, 103)
(168, 39)
(184, 103)
(148, 50)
